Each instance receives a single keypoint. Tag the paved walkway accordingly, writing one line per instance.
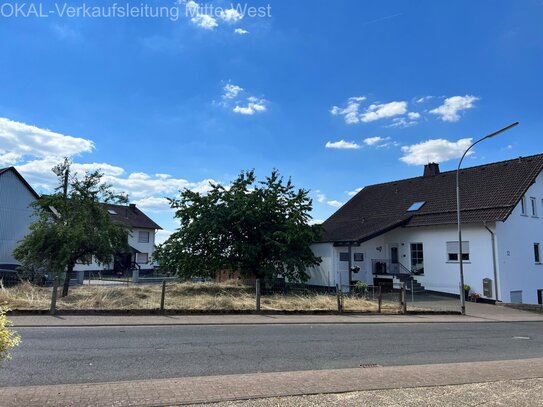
(508, 393)
(475, 313)
(264, 385)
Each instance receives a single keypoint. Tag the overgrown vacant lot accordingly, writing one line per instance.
(230, 296)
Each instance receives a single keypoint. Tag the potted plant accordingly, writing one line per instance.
(466, 291)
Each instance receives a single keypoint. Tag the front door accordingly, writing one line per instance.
(394, 267)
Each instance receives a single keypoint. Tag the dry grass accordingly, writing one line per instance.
(230, 296)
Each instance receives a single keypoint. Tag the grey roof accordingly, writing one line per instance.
(488, 193)
(132, 216)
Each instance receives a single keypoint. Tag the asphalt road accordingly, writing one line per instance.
(100, 354)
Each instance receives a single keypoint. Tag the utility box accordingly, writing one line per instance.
(487, 287)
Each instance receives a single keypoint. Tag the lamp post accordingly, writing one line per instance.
(460, 260)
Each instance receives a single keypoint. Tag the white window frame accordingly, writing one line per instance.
(452, 249)
(140, 240)
(523, 211)
(533, 203)
(139, 261)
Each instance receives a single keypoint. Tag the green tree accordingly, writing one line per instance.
(258, 228)
(72, 225)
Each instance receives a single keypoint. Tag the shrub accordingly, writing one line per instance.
(8, 338)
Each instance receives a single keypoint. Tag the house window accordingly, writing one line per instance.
(343, 256)
(359, 257)
(515, 297)
(416, 206)
(533, 203)
(523, 206)
(537, 254)
(143, 237)
(452, 251)
(417, 258)
(142, 257)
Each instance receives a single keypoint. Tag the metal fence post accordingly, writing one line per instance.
(162, 296)
(53, 309)
(380, 300)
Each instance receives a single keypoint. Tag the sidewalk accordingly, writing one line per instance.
(475, 313)
(265, 385)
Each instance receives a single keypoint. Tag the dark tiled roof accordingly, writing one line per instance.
(488, 193)
(26, 184)
(131, 216)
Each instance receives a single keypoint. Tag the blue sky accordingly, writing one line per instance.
(337, 95)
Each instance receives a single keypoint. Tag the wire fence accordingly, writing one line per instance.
(166, 294)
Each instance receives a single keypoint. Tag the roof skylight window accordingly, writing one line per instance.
(416, 206)
(112, 212)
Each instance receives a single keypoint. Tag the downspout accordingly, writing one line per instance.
(493, 237)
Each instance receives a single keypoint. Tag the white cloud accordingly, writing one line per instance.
(316, 221)
(354, 192)
(402, 122)
(370, 141)
(384, 110)
(449, 110)
(424, 99)
(351, 111)
(254, 105)
(231, 91)
(162, 235)
(352, 115)
(231, 15)
(153, 204)
(320, 196)
(437, 150)
(19, 140)
(193, 10)
(241, 31)
(334, 203)
(343, 145)
(413, 115)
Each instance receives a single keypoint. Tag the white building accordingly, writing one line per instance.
(141, 240)
(16, 215)
(407, 230)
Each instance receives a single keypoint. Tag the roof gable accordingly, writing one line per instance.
(21, 178)
(488, 193)
(131, 215)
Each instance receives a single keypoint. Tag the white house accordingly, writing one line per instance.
(141, 240)
(407, 230)
(16, 214)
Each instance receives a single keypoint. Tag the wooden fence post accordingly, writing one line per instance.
(257, 286)
(380, 299)
(53, 309)
(403, 303)
(162, 296)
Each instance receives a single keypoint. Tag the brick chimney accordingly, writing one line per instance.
(431, 169)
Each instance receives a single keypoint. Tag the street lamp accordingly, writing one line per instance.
(460, 260)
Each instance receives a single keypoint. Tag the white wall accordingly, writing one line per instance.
(323, 274)
(16, 215)
(132, 241)
(440, 274)
(516, 237)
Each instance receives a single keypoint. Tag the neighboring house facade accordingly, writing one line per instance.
(407, 230)
(141, 240)
(16, 214)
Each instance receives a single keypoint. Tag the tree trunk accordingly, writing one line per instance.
(66, 285)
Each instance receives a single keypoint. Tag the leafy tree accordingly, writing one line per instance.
(258, 228)
(72, 225)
